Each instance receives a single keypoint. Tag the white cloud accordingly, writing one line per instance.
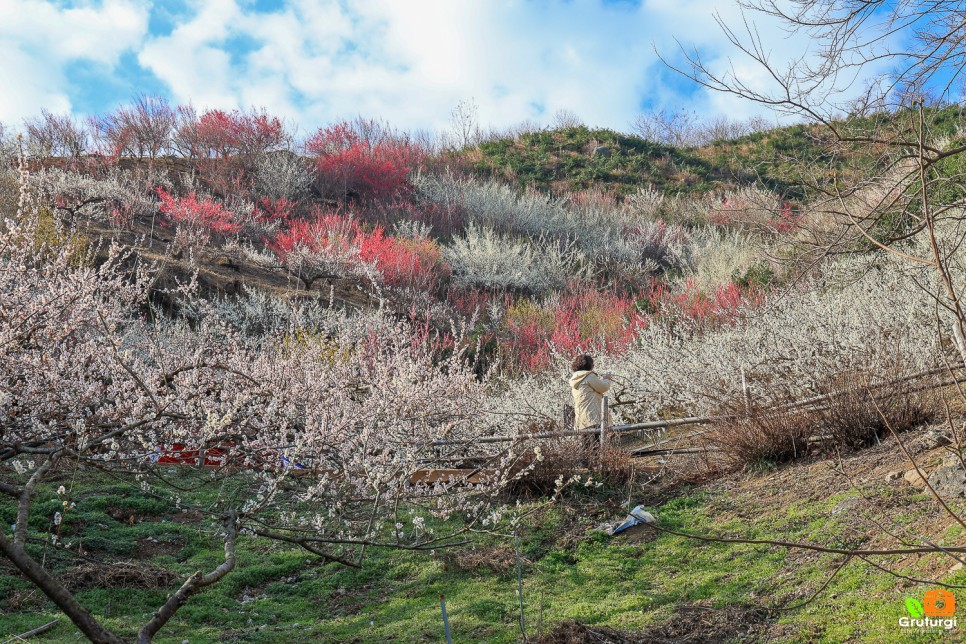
(39, 38)
(410, 62)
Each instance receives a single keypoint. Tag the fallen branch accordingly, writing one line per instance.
(40, 630)
(817, 548)
(670, 450)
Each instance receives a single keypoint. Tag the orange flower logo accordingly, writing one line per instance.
(939, 603)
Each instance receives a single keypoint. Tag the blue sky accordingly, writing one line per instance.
(409, 62)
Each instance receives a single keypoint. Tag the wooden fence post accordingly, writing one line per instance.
(604, 412)
(744, 391)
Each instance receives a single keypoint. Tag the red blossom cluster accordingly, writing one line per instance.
(197, 218)
(349, 166)
(404, 262)
(584, 320)
(335, 245)
(222, 134)
(689, 303)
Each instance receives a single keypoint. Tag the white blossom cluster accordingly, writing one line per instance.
(609, 238)
(861, 318)
(281, 175)
(355, 400)
(485, 258)
(116, 196)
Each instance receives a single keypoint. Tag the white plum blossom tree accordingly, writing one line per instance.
(318, 432)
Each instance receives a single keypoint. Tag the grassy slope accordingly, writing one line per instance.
(782, 160)
(563, 160)
(637, 582)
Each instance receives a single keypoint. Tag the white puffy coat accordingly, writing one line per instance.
(588, 389)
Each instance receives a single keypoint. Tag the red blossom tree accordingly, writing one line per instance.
(370, 169)
(323, 247)
(196, 218)
(223, 134)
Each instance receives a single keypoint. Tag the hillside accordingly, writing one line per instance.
(331, 380)
(786, 160)
(579, 158)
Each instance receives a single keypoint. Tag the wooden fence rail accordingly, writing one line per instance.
(815, 402)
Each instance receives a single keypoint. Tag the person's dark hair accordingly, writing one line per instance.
(582, 362)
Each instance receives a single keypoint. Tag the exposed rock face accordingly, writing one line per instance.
(601, 151)
(949, 482)
(847, 506)
(912, 477)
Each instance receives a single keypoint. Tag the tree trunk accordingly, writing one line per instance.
(57, 593)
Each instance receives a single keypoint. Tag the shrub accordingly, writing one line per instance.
(649, 203)
(761, 438)
(484, 258)
(506, 210)
(551, 462)
(196, 218)
(710, 257)
(858, 413)
(281, 175)
(404, 263)
(748, 207)
(370, 168)
(857, 409)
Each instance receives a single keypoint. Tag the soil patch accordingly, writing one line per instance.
(187, 517)
(150, 547)
(125, 515)
(696, 624)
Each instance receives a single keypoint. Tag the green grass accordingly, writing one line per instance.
(571, 572)
(785, 160)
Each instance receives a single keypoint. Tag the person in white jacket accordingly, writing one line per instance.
(588, 389)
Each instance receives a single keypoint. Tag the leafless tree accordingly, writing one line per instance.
(465, 128)
(685, 129)
(141, 130)
(56, 135)
(564, 118)
(185, 134)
